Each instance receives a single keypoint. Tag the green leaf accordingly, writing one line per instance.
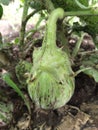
(7, 79)
(16, 40)
(1, 11)
(92, 72)
(90, 61)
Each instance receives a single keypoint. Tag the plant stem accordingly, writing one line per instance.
(78, 44)
(81, 70)
(51, 27)
(23, 26)
(64, 41)
(88, 52)
(23, 23)
(30, 15)
(80, 13)
(81, 5)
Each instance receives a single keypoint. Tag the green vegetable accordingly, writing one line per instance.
(50, 82)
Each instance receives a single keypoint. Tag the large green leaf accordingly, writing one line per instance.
(1, 11)
(90, 61)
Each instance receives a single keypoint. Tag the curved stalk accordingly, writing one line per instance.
(50, 35)
(81, 5)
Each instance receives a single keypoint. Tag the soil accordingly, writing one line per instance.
(80, 113)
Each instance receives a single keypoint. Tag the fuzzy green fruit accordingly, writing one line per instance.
(50, 83)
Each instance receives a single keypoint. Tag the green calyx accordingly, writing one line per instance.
(50, 82)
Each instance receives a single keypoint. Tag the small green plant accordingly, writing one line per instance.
(9, 81)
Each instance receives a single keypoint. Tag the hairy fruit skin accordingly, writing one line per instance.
(50, 83)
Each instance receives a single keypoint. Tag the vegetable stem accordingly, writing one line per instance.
(80, 13)
(81, 70)
(78, 44)
(50, 36)
(23, 23)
